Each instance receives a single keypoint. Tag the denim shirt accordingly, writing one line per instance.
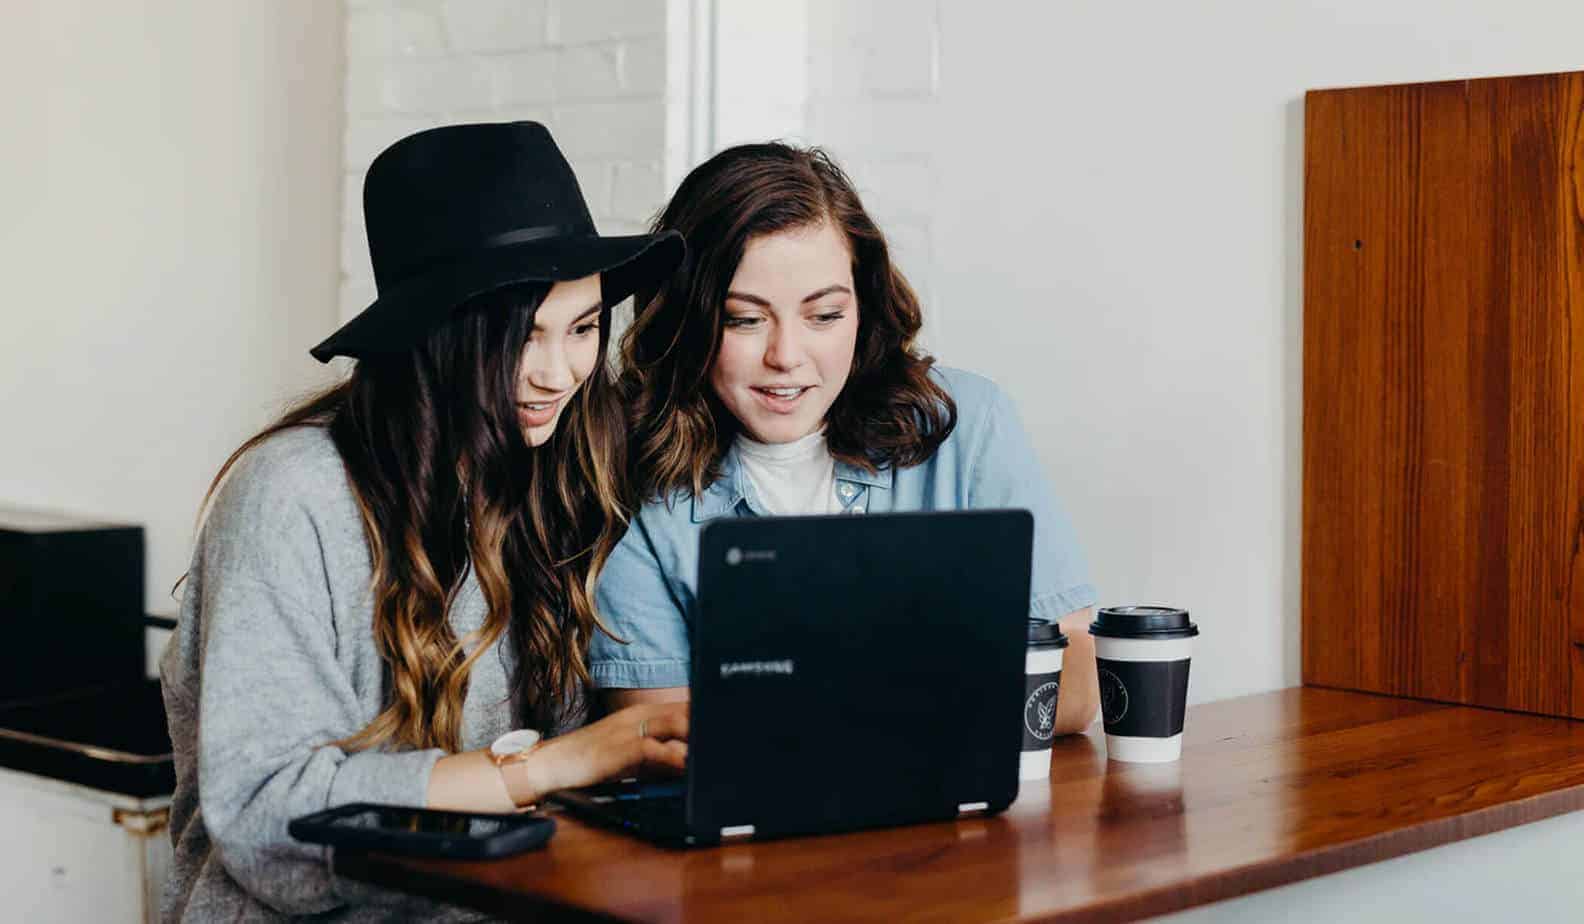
(648, 590)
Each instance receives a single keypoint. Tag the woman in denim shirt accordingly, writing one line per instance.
(776, 375)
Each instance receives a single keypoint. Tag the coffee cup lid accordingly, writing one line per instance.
(1142, 622)
(1045, 634)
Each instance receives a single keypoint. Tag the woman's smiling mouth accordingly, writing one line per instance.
(781, 399)
(537, 413)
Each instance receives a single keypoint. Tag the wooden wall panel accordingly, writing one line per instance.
(1572, 221)
(1444, 391)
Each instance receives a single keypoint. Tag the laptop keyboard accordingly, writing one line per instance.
(653, 813)
(659, 807)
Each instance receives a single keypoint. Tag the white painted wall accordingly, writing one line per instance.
(1103, 203)
(169, 198)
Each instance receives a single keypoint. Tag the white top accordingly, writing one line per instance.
(792, 479)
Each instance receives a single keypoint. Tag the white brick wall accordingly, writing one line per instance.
(474, 26)
(577, 21)
(594, 71)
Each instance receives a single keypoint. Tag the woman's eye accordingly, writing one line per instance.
(583, 330)
(830, 317)
(741, 322)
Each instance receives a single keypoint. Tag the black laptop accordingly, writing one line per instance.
(848, 672)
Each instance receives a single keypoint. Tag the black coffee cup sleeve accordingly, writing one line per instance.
(1040, 694)
(1143, 699)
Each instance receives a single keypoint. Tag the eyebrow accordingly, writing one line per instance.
(816, 295)
(579, 319)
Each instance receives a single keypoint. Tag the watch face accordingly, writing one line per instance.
(514, 742)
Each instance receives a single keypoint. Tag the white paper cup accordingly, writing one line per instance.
(1142, 655)
(1041, 686)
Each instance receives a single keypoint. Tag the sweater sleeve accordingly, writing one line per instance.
(272, 695)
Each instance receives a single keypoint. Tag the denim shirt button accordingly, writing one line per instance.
(846, 490)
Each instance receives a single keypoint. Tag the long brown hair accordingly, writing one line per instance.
(445, 483)
(891, 411)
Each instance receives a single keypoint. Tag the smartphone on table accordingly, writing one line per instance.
(423, 832)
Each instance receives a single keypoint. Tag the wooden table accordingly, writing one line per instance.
(1271, 789)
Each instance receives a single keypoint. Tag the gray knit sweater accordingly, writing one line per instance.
(274, 656)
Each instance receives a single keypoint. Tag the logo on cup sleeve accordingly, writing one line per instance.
(1113, 697)
(1039, 710)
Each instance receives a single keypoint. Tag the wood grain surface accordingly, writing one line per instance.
(1443, 391)
(1271, 789)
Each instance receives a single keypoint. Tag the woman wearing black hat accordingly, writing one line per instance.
(391, 598)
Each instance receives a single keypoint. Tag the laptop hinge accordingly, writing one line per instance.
(968, 808)
(731, 831)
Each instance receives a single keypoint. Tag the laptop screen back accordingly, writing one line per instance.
(857, 671)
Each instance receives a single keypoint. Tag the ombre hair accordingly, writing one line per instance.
(446, 483)
(891, 411)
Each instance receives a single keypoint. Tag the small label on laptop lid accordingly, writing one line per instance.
(783, 667)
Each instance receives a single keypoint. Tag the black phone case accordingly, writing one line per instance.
(522, 833)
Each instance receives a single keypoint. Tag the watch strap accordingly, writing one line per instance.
(513, 774)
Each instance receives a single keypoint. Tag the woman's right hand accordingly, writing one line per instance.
(648, 736)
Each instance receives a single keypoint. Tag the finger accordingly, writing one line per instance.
(668, 725)
(670, 754)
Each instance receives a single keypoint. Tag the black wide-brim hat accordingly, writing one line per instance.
(457, 211)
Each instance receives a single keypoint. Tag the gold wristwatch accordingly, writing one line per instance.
(514, 748)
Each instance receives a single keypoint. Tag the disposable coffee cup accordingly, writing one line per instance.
(1041, 685)
(1142, 653)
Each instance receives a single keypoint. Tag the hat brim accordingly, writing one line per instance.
(405, 314)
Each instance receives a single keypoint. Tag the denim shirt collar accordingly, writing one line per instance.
(733, 487)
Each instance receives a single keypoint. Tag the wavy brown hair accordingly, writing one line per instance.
(446, 483)
(891, 412)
